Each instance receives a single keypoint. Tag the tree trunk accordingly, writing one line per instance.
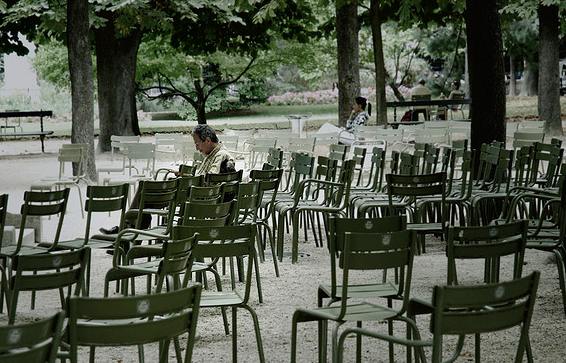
(512, 80)
(200, 102)
(487, 72)
(549, 72)
(530, 80)
(116, 73)
(200, 109)
(348, 57)
(380, 97)
(82, 83)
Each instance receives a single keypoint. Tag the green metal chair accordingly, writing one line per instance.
(269, 181)
(99, 199)
(47, 271)
(338, 228)
(135, 320)
(460, 310)
(40, 204)
(156, 198)
(37, 341)
(361, 251)
(487, 243)
(328, 198)
(171, 262)
(215, 179)
(236, 242)
(423, 199)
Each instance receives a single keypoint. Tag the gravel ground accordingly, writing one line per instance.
(296, 288)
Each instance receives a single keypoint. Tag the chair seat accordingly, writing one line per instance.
(220, 298)
(363, 311)
(543, 244)
(128, 271)
(112, 237)
(25, 250)
(425, 227)
(365, 291)
(78, 243)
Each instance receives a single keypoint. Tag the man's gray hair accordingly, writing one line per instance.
(204, 131)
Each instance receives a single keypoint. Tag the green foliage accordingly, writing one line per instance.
(51, 64)
(240, 30)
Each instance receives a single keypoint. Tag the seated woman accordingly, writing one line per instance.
(358, 117)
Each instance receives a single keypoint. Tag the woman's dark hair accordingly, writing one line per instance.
(204, 131)
(363, 102)
(456, 84)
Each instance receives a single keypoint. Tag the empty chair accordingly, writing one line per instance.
(135, 320)
(47, 271)
(535, 126)
(168, 145)
(527, 138)
(37, 341)
(67, 156)
(470, 310)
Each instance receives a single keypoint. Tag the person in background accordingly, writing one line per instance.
(358, 117)
(456, 93)
(216, 160)
(420, 92)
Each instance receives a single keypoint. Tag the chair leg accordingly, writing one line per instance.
(91, 352)
(561, 278)
(271, 236)
(13, 306)
(260, 245)
(258, 279)
(294, 339)
(257, 333)
(295, 239)
(234, 334)
(359, 344)
(223, 309)
(477, 348)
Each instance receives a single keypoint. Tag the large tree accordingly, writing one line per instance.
(487, 72)
(82, 85)
(549, 73)
(376, 19)
(348, 57)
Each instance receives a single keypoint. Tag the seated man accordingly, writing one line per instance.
(216, 160)
(420, 92)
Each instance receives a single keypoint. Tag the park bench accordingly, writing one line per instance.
(41, 133)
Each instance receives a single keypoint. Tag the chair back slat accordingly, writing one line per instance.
(134, 320)
(488, 243)
(483, 308)
(36, 341)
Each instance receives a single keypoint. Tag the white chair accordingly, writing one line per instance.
(437, 137)
(256, 150)
(68, 155)
(168, 145)
(528, 138)
(535, 126)
(141, 158)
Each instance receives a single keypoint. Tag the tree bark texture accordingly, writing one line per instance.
(512, 80)
(116, 59)
(487, 72)
(380, 96)
(82, 83)
(549, 72)
(348, 57)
